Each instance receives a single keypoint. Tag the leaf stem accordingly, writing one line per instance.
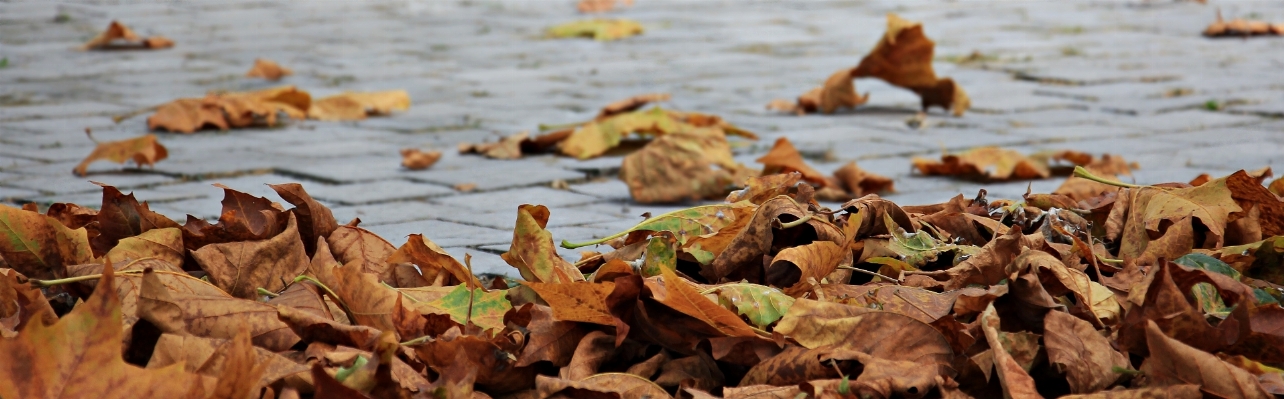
(69, 280)
(1080, 172)
(798, 222)
(265, 292)
(543, 127)
(876, 274)
(1108, 260)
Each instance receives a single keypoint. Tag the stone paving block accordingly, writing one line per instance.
(95, 199)
(68, 183)
(378, 191)
(1075, 132)
(12, 195)
(256, 185)
(8, 162)
(570, 255)
(1186, 121)
(445, 234)
(507, 219)
(68, 109)
(611, 189)
(395, 212)
(348, 169)
(508, 200)
(496, 174)
(484, 262)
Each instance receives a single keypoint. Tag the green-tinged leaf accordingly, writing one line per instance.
(920, 248)
(1205, 262)
(659, 255)
(1210, 301)
(761, 304)
(40, 246)
(345, 372)
(532, 251)
(682, 223)
(598, 29)
(488, 308)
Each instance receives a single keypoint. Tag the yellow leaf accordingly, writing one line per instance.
(143, 150)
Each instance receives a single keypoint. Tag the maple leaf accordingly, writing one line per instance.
(231, 110)
(144, 150)
(39, 246)
(597, 29)
(532, 251)
(80, 356)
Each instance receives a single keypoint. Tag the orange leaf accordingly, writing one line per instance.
(143, 150)
(579, 301)
(267, 69)
(903, 57)
(678, 294)
(784, 158)
(414, 159)
(351, 106)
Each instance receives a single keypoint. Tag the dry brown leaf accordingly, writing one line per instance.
(1082, 353)
(597, 6)
(165, 245)
(118, 36)
(1172, 362)
(315, 220)
(244, 218)
(903, 57)
(354, 244)
(988, 162)
(794, 269)
(144, 151)
(632, 103)
(231, 110)
(212, 357)
(39, 246)
(1016, 382)
(859, 182)
(784, 158)
(1142, 213)
(268, 69)
(128, 285)
(123, 217)
(579, 301)
(678, 294)
(679, 167)
(837, 92)
(509, 147)
(210, 315)
(623, 384)
(80, 357)
(416, 159)
(240, 268)
(433, 261)
(351, 106)
(20, 304)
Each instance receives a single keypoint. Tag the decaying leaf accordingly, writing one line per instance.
(597, 29)
(144, 151)
(268, 69)
(509, 147)
(837, 92)
(118, 36)
(38, 246)
(595, 6)
(1239, 27)
(532, 251)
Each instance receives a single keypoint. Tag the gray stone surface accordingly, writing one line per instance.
(1133, 78)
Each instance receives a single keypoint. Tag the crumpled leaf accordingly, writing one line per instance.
(118, 36)
(579, 301)
(784, 158)
(597, 29)
(683, 224)
(211, 357)
(678, 294)
(795, 269)
(268, 69)
(122, 217)
(903, 57)
(39, 246)
(1016, 381)
(838, 91)
(434, 263)
(231, 110)
(1083, 354)
(20, 304)
(1240, 27)
(80, 356)
(315, 220)
(242, 267)
(244, 217)
(532, 251)
(987, 162)
(416, 159)
(353, 106)
(144, 150)
(1142, 212)
(509, 147)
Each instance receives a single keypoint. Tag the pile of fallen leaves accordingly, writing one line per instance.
(1169, 290)
(903, 58)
